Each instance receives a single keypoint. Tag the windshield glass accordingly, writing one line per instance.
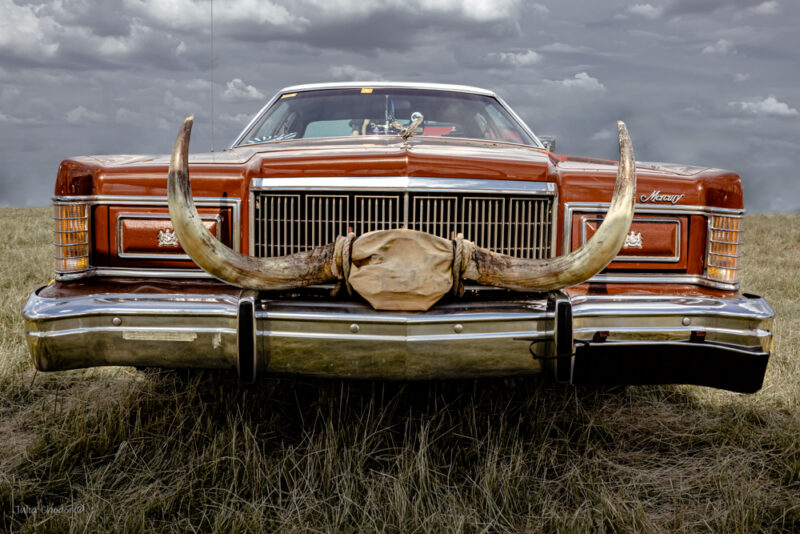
(380, 111)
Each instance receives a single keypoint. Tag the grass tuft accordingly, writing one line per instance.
(114, 449)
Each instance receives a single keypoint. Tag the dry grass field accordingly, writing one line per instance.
(115, 449)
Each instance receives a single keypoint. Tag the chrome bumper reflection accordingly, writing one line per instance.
(131, 329)
(345, 339)
(353, 340)
(745, 321)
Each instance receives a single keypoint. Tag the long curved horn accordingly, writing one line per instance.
(500, 270)
(297, 270)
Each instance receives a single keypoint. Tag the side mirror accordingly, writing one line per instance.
(549, 142)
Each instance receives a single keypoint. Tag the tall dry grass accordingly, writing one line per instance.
(117, 450)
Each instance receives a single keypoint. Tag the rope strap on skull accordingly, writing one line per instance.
(342, 261)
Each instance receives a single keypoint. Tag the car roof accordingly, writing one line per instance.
(384, 84)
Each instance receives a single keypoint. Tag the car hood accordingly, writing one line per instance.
(368, 156)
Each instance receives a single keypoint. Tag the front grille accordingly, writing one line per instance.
(289, 222)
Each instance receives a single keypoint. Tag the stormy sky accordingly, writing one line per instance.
(707, 82)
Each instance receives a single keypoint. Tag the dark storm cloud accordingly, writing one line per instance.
(103, 19)
(702, 82)
(394, 29)
(693, 7)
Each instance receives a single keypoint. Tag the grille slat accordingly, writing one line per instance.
(289, 222)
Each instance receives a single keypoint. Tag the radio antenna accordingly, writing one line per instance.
(212, 75)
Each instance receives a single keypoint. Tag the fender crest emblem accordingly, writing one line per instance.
(633, 240)
(167, 238)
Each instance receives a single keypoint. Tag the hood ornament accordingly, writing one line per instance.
(416, 120)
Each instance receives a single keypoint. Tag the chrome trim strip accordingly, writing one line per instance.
(186, 257)
(91, 271)
(387, 85)
(726, 255)
(673, 259)
(403, 184)
(123, 304)
(554, 224)
(203, 305)
(680, 345)
(70, 258)
(638, 305)
(410, 338)
(152, 273)
(123, 329)
(660, 278)
(381, 317)
(684, 331)
(251, 221)
(723, 267)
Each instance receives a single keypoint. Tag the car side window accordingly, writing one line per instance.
(503, 127)
(269, 129)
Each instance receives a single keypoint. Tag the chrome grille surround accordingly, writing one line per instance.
(290, 215)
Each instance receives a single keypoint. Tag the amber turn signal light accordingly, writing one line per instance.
(724, 248)
(71, 231)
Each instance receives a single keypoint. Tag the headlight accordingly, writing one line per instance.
(724, 248)
(71, 238)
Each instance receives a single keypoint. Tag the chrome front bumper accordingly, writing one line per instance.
(259, 334)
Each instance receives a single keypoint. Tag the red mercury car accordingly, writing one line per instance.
(400, 231)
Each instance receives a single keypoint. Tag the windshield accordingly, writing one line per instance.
(385, 111)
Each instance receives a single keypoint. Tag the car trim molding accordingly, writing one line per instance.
(571, 208)
(404, 183)
(166, 217)
(659, 259)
